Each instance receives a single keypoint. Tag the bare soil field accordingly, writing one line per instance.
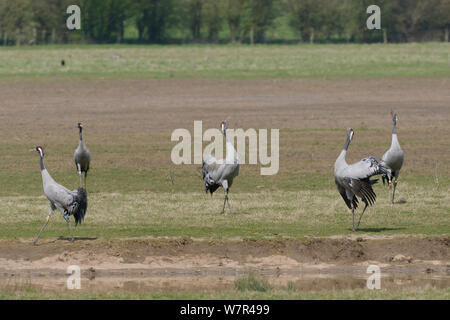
(128, 125)
(153, 265)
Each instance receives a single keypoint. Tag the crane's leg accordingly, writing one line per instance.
(225, 187)
(395, 186)
(359, 221)
(79, 172)
(45, 225)
(390, 194)
(66, 217)
(224, 201)
(353, 218)
(228, 201)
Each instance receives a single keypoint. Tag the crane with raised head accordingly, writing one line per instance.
(82, 156)
(393, 158)
(221, 172)
(354, 181)
(69, 203)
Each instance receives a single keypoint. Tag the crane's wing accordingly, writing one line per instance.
(67, 201)
(343, 193)
(211, 174)
(58, 195)
(359, 174)
(366, 168)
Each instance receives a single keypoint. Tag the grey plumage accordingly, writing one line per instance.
(354, 181)
(218, 173)
(82, 156)
(393, 158)
(68, 202)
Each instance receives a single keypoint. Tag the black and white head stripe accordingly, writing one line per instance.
(224, 126)
(40, 150)
(350, 133)
(394, 116)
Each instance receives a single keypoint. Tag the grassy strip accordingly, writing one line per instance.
(227, 61)
(283, 294)
(420, 210)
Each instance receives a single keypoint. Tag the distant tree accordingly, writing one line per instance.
(16, 19)
(153, 19)
(195, 16)
(334, 19)
(258, 17)
(356, 17)
(213, 18)
(308, 17)
(103, 20)
(442, 17)
(436, 15)
(408, 15)
(233, 13)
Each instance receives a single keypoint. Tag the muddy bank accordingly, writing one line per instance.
(151, 265)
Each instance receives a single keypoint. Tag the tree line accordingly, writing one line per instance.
(224, 21)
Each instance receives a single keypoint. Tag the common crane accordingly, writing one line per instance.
(393, 158)
(218, 173)
(82, 156)
(354, 180)
(66, 201)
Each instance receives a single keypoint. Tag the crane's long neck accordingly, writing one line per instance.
(394, 142)
(394, 128)
(232, 156)
(46, 177)
(343, 154)
(347, 143)
(81, 134)
(42, 163)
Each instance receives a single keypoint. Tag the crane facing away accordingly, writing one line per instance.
(393, 157)
(218, 173)
(354, 180)
(82, 156)
(66, 201)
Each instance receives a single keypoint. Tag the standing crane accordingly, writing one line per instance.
(218, 173)
(393, 158)
(66, 201)
(82, 156)
(354, 180)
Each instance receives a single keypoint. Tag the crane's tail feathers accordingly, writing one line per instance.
(365, 191)
(210, 184)
(385, 171)
(354, 202)
(79, 206)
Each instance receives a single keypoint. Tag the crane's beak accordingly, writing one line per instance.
(32, 150)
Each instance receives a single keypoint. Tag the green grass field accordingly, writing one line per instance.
(227, 61)
(279, 294)
(264, 214)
